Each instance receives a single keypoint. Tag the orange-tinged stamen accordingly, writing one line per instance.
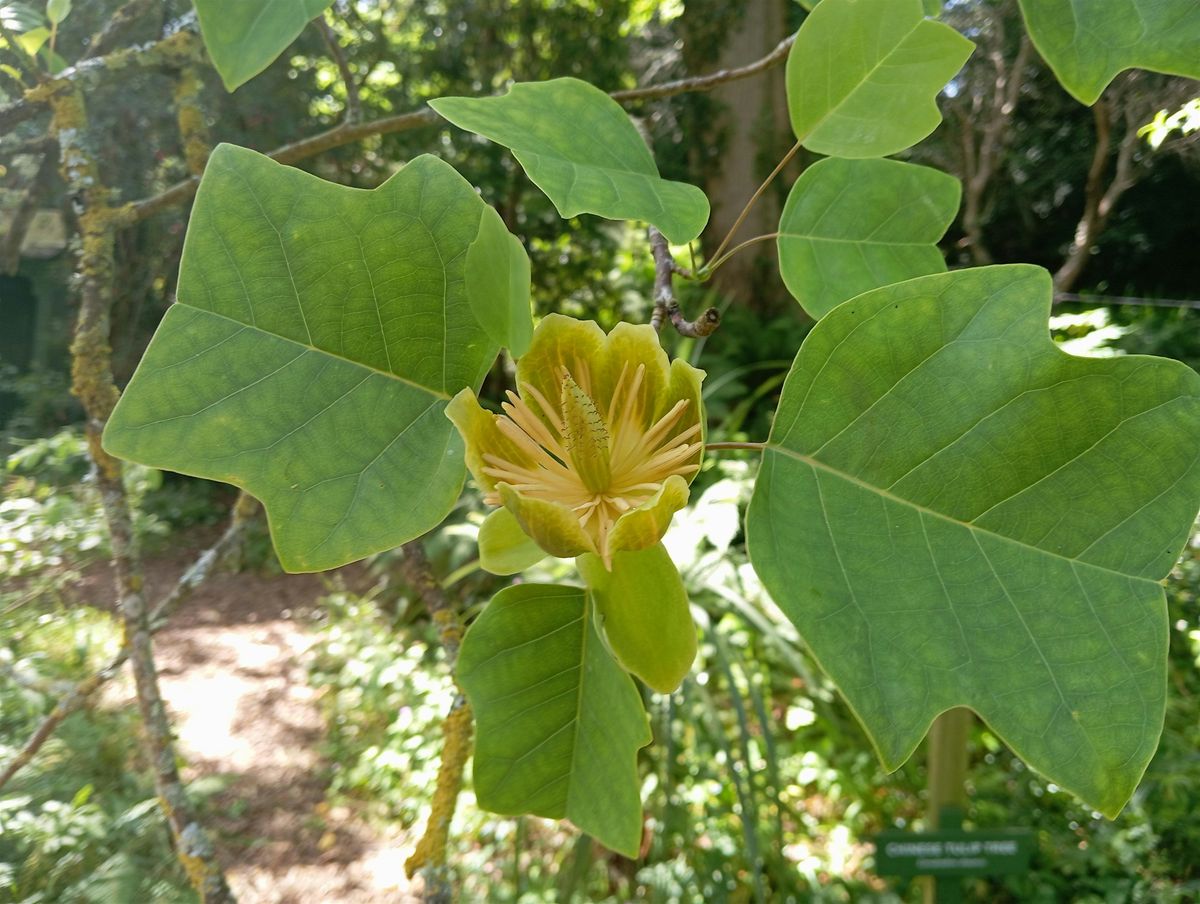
(599, 463)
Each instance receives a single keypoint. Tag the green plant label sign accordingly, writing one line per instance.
(953, 853)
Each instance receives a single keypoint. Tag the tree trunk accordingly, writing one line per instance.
(753, 121)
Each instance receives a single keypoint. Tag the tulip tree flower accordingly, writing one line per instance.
(592, 457)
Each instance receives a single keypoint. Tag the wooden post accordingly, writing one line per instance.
(947, 790)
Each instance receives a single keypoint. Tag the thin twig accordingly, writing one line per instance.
(16, 113)
(664, 269)
(344, 134)
(77, 697)
(710, 81)
(119, 24)
(183, 48)
(18, 53)
(666, 307)
(1074, 298)
(353, 111)
(92, 383)
(42, 144)
(429, 856)
(71, 703)
(710, 269)
(22, 218)
(754, 197)
(348, 133)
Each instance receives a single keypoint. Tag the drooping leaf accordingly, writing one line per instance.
(318, 335)
(559, 721)
(580, 148)
(1087, 42)
(853, 225)
(498, 284)
(863, 76)
(33, 40)
(954, 512)
(57, 11)
(503, 547)
(644, 608)
(243, 37)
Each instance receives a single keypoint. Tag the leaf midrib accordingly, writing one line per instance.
(975, 529)
(575, 165)
(858, 87)
(820, 238)
(313, 348)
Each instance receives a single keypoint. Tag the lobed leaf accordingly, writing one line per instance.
(318, 336)
(1087, 42)
(559, 721)
(580, 148)
(243, 37)
(955, 512)
(853, 225)
(863, 76)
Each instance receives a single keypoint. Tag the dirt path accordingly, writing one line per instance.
(232, 666)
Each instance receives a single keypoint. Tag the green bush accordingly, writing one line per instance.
(81, 822)
(762, 785)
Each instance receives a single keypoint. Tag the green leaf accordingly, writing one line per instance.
(1087, 42)
(863, 76)
(643, 607)
(853, 225)
(57, 10)
(559, 722)
(244, 37)
(498, 284)
(954, 512)
(54, 61)
(580, 148)
(319, 333)
(503, 547)
(32, 41)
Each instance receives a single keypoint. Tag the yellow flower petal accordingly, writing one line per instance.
(630, 345)
(595, 450)
(562, 342)
(646, 524)
(482, 436)
(553, 526)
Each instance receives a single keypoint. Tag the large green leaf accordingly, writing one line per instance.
(954, 512)
(560, 723)
(319, 332)
(863, 76)
(853, 225)
(243, 37)
(580, 148)
(498, 284)
(644, 608)
(1087, 42)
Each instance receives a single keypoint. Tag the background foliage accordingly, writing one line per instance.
(764, 785)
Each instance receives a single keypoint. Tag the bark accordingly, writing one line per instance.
(754, 120)
(1100, 196)
(984, 119)
(92, 383)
